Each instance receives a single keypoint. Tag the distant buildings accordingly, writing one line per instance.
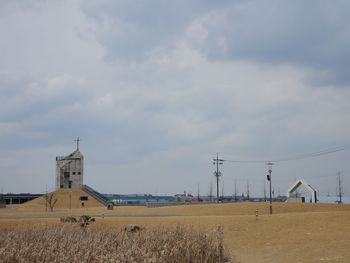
(14, 199)
(138, 199)
(2, 201)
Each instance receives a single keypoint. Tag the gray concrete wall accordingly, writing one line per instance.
(70, 171)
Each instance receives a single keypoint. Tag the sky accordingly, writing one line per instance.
(156, 88)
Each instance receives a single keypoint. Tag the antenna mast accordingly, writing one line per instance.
(77, 140)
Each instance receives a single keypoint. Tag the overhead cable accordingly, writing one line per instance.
(296, 157)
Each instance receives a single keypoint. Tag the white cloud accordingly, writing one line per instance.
(155, 101)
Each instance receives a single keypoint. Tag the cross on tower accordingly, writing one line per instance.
(77, 140)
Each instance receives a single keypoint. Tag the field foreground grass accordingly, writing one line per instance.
(294, 233)
(71, 243)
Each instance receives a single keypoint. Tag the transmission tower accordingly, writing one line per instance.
(217, 174)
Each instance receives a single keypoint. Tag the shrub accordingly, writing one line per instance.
(83, 220)
(86, 220)
(69, 243)
(68, 219)
(133, 228)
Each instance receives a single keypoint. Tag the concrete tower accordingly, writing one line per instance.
(70, 170)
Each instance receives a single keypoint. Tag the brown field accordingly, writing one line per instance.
(70, 243)
(294, 233)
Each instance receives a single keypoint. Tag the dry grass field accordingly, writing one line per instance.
(294, 233)
(70, 243)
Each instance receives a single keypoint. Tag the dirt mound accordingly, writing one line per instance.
(67, 198)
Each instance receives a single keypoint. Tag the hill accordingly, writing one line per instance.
(66, 198)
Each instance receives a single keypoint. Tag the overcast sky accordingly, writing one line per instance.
(156, 88)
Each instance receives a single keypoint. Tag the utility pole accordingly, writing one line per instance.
(211, 192)
(222, 189)
(248, 196)
(339, 188)
(217, 174)
(264, 191)
(269, 164)
(46, 198)
(198, 193)
(235, 190)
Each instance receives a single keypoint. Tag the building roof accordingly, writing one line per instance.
(74, 155)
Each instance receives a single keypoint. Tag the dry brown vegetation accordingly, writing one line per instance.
(50, 200)
(294, 233)
(69, 243)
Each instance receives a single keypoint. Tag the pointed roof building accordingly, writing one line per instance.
(70, 170)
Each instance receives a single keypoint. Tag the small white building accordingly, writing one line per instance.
(70, 170)
(292, 190)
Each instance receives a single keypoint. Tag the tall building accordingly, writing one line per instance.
(70, 170)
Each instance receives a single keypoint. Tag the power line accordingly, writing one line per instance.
(296, 157)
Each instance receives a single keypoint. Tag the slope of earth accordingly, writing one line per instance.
(66, 198)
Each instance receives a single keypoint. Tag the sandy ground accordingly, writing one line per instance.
(294, 233)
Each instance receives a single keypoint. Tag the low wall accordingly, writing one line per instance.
(295, 200)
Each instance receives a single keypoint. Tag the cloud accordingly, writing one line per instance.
(155, 90)
(134, 31)
(313, 34)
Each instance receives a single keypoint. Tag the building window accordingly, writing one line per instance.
(73, 173)
(79, 173)
(84, 198)
(66, 174)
